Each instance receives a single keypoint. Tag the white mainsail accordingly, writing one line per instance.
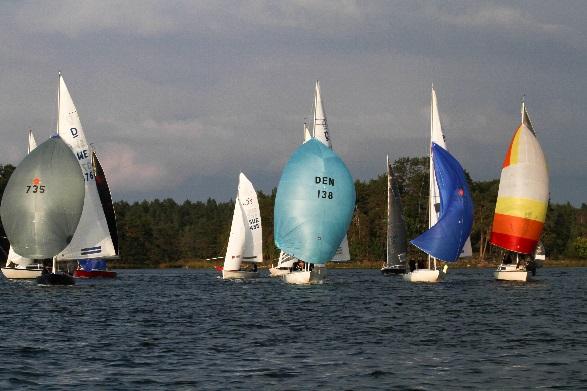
(13, 257)
(321, 133)
(320, 123)
(92, 237)
(245, 243)
(437, 136)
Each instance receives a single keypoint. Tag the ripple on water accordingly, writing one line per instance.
(187, 329)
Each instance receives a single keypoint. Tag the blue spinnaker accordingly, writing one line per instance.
(445, 240)
(314, 203)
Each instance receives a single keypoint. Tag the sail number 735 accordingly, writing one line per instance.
(35, 189)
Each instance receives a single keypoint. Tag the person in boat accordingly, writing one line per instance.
(412, 265)
(507, 258)
(254, 267)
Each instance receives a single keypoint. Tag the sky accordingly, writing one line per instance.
(178, 97)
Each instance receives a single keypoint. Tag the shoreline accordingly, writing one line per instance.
(358, 264)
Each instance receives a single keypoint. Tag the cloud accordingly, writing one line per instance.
(178, 97)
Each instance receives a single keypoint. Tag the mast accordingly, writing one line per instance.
(58, 99)
(388, 213)
(431, 182)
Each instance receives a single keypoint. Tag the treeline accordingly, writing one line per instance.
(163, 231)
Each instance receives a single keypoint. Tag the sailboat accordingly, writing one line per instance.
(42, 205)
(286, 262)
(522, 201)
(245, 244)
(98, 268)
(396, 229)
(18, 267)
(313, 209)
(95, 237)
(430, 273)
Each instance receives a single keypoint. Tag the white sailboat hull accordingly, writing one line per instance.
(423, 275)
(511, 273)
(22, 273)
(239, 274)
(300, 277)
(278, 272)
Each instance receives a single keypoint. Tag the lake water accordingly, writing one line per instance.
(188, 329)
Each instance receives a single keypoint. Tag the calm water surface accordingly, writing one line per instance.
(187, 329)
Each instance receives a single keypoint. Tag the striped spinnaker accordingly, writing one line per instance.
(522, 199)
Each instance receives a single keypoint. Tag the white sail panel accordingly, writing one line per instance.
(92, 237)
(436, 136)
(32, 141)
(253, 248)
(343, 253)
(236, 240)
(286, 260)
(320, 122)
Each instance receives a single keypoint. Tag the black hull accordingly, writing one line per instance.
(393, 270)
(55, 279)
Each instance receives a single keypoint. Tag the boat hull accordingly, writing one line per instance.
(21, 274)
(301, 277)
(393, 270)
(55, 279)
(423, 275)
(239, 274)
(511, 273)
(278, 272)
(94, 274)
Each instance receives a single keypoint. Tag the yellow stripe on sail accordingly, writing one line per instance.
(515, 150)
(522, 207)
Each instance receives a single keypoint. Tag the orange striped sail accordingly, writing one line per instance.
(522, 198)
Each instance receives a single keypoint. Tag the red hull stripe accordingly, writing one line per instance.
(94, 274)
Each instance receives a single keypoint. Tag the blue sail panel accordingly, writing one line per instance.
(445, 240)
(92, 264)
(314, 203)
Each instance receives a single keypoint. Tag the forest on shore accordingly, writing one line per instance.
(165, 233)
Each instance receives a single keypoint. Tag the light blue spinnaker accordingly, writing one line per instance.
(314, 203)
(445, 240)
